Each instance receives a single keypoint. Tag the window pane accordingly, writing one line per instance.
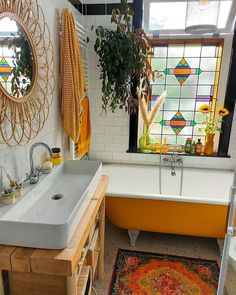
(164, 16)
(160, 51)
(187, 104)
(156, 128)
(224, 13)
(207, 78)
(172, 15)
(176, 50)
(208, 64)
(157, 89)
(158, 64)
(193, 50)
(173, 91)
(191, 80)
(189, 92)
(208, 51)
(171, 104)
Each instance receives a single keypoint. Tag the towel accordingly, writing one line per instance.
(73, 86)
(85, 129)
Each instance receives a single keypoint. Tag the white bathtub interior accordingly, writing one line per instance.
(199, 185)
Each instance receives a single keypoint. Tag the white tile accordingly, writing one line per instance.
(113, 130)
(113, 147)
(121, 157)
(121, 139)
(121, 121)
(98, 147)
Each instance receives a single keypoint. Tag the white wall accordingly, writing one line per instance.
(16, 160)
(110, 133)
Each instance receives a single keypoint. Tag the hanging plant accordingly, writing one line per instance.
(122, 57)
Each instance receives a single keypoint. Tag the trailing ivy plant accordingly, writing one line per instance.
(122, 58)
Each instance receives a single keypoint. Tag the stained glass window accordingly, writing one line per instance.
(189, 71)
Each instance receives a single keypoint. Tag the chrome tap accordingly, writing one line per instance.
(173, 172)
(34, 174)
(173, 160)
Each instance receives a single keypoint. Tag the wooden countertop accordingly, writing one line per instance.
(55, 262)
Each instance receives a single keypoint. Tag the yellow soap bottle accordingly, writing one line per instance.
(56, 159)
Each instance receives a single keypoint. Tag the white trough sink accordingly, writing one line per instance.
(37, 220)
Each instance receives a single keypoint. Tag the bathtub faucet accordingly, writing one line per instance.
(173, 161)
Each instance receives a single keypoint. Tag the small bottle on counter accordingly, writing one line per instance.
(193, 148)
(198, 147)
(56, 158)
(165, 148)
(188, 145)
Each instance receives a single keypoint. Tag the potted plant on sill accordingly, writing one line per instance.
(122, 60)
(213, 125)
(17, 187)
(7, 196)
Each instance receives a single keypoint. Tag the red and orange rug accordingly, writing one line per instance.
(142, 273)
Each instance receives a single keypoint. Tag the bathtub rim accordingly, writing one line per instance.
(164, 197)
(190, 199)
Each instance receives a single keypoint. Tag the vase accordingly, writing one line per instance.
(209, 144)
(146, 141)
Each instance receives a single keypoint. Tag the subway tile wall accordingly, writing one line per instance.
(110, 132)
(16, 160)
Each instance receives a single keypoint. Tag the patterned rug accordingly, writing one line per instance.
(142, 273)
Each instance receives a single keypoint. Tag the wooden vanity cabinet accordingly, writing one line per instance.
(61, 272)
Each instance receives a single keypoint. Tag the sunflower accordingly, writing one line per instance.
(222, 111)
(205, 108)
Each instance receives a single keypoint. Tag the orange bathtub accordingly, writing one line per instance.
(133, 202)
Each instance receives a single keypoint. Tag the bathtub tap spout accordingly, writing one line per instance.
(173, 172)
(172, 162)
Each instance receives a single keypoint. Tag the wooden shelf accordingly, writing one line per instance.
(84, 284)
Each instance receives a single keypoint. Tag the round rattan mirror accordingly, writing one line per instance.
(26, 71)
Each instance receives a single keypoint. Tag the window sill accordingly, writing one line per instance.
(215, 155)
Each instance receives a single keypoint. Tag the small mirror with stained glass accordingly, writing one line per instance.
(16, 59)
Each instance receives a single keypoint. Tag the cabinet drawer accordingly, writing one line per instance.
(84, 283)
(93, 252)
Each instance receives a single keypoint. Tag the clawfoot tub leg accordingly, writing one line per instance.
(133, 236)
(220, 243)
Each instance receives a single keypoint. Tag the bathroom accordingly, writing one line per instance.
(173, 198)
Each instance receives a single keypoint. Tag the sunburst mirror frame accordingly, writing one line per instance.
(22, 119)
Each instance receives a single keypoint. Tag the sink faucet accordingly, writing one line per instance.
(34, 174)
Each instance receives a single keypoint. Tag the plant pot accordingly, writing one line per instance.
(8, 199)
(18, 192)
(209, 145)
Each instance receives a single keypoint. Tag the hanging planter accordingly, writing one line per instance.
(122, 57)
